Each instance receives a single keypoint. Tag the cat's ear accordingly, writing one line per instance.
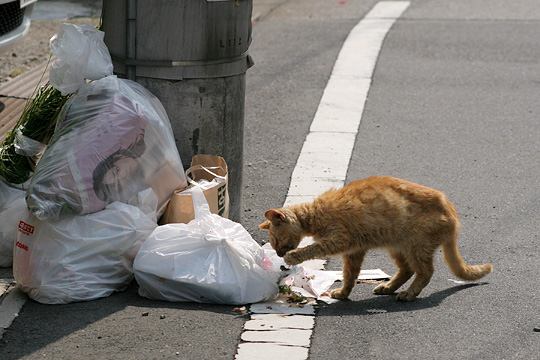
(265, 225)
(275, 216)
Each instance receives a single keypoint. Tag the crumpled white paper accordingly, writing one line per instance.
(312, 283)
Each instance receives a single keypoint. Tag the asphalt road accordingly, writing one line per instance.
(454, 104)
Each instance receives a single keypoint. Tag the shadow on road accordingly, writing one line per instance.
(387, 303)
(39, 325)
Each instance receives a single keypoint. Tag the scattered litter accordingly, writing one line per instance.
(301, 285)
(284, 289)
(281, 308)
(240, 310)
(146, 313)
(373, 274)
(368, 274)
(291, 296)
(371, 282)
(310, 283)
(457, 281)
(299, 305)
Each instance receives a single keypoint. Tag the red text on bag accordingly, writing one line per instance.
(21, 245)
(25, 228)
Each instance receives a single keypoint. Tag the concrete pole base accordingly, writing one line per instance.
(207, 117)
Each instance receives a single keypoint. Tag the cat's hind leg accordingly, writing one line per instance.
(403, 274)
(422, 264)
(351, 268)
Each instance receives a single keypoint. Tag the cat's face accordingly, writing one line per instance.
(284, 230)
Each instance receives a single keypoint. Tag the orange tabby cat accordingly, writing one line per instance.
(407, 219)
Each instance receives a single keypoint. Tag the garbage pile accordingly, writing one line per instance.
(95, 170)
(102, 171)
(99, 184)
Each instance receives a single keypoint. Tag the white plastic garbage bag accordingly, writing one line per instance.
(209, 260)
(12, 207)
(82, 257)
(80, 54)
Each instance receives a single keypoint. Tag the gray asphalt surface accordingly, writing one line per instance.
(453, 105)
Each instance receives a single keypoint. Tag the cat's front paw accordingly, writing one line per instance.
(339, 294)
(406, 295)
(292, 258)
(382, 289)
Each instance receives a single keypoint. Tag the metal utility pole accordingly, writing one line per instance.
(192, 55)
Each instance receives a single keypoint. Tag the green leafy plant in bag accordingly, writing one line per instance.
(37, 122)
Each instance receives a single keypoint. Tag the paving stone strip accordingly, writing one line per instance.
(14, 93)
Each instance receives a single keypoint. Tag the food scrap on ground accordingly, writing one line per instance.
(240, 310)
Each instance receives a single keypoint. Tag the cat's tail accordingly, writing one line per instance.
(457, 264)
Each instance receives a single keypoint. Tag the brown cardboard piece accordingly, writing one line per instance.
(203, 167)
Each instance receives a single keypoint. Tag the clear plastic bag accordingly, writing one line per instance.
(209, 260)
(12, 207)
(27, 146)
(80, 54)
(85, 257)
(113, 139)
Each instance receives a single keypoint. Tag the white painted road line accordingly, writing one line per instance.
(322, 164)
(333, 116)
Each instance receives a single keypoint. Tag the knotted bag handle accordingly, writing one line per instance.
(200, 205)
(205, 168)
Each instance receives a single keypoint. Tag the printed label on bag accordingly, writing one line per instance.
(26, 228)
(221, 200)
(20, 245)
